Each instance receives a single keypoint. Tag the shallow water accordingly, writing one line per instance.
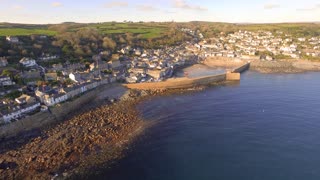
(266, 127)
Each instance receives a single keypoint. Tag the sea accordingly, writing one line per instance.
(265, 127)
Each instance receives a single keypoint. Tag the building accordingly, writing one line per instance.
(28, 62)
(6, 81)
(10, 113)
(12, 39)
(52, 97)
(48, 57)
(99, 66)
(25, 99)
(51, 76)
(3, 62)
(115, 62)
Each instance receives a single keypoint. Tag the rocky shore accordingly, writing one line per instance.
(85, 141)
(277, 66)
(100, 136)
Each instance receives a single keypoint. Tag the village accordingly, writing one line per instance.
(33, 87)
(263, 45)
(40, 88)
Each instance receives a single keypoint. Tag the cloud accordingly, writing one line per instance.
(17, 7)
(271, 6)
(146, 8)
(57, 4)
(315, 8)
(182, 4)
(116, 4)
(169, 12)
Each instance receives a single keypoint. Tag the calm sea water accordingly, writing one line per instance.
(265, 128)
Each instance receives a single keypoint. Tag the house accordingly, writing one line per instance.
(115, 64)
(55, 97)
(43, 37)
(28, 62)
(3, 62)
(132, 78)
(81, 77)
(57, 67)
(15, 110)
(12, 39)
(12, 112)
(25, 99)
(231, 55)
(6, 81)
(76, 77)
(31, 76)
(51, 76)
(99, 66)
(74, 67)
(115, 61)
(47, 57)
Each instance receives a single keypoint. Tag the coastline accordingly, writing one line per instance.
(61, 112)
(279, 66)
(93, 138)
(82, 142)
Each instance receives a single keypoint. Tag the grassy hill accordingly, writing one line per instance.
(8, 29)
(145, 30)
(157, 30)
(25, 32)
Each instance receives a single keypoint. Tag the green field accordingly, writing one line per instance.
(146, 30)
(296, 29)
(157, 30)
(24, 32)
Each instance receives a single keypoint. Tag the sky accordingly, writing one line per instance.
(85, 11)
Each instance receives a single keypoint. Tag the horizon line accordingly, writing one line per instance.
(128, 21)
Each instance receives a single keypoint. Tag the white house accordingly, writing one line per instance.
(6, 81)
(12, 39)
(28, 62)
(3, 62)
(48, 57)
(18, 111)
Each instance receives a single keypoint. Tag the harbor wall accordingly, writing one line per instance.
(182, 83)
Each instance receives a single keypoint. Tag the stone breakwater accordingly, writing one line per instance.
(185, 83)
(85, 141)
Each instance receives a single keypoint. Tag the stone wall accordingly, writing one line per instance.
(181, 83)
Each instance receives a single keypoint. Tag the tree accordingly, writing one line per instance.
(129, 38)
(67, 50)
(7, 72)
(82, 43)
(108, 43)
(13, 95)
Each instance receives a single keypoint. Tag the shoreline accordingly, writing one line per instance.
(267, 67)
(89, 140)
(86, 140)
(42, 120)
(75, 146)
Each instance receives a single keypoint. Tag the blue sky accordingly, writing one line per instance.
(254, 11)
